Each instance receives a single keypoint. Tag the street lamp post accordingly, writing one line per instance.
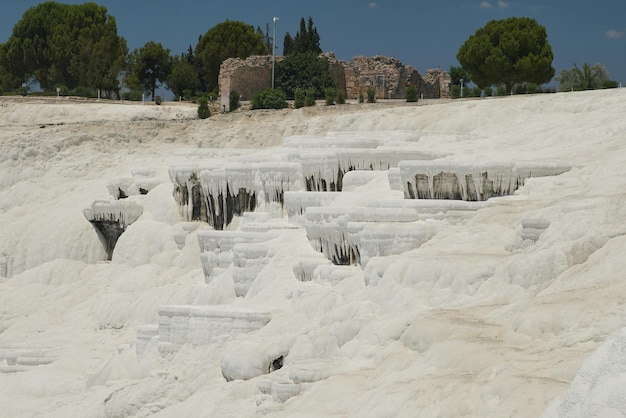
(275, 19)
(461, 88)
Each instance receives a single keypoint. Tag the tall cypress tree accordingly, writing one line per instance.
(307, 39)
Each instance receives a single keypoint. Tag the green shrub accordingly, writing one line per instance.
(233, 100)
(64, 91)
(330, 95)
(158, 100)
(488, 91)
(134, 95)
(203, 108)
(361, 97)
(299, 98)
(341, 97)
(309, 97)
(609, 84)
(269, 99)
(501, 90)
(455, 92)
(371, 95)
(81, 91)
(411, 94)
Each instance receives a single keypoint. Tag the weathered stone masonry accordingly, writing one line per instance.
(387, 76)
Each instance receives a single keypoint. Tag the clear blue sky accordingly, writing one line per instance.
(425, 34)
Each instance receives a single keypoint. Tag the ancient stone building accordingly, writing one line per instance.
(387, 76)
(245, 76)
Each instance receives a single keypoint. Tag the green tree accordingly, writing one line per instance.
(307, 39)
(457, 74)
(588, 77)
(183, 77)
(287, 44)
(229, 39)
(267, 39)
(148, 66)
(566, 80)
(70, 45)
(303, 71)
(509, 51)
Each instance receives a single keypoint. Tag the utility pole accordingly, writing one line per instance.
(275, 19)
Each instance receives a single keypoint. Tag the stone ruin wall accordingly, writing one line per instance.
(388, 76)
(244, 76)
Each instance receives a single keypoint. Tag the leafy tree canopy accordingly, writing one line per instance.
(307, 39)
(147, 66)
(509, 51)
(183, 77)
(588, 77)
(70, 45)
(303, 71)
(458, 73)
(229, 39)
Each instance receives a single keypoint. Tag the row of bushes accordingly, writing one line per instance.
(523, 88)
(276, 99)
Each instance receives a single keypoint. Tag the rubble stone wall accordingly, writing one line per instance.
(387, 76)
(244, 76)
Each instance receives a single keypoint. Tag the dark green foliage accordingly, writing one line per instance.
(609, 84)
(203, 108)
(303, 71)
(299, 97)
(309, 98)
(73, 45)
(158, 100)
(488, 91)
(267, 39)
(229, 39)
(341, 97)
(183, 78)
(411, 94)
(233, 100)
(147, 66)
(287, 44)
(455, 91)
(269, 99)
(133, 95)
(361, 97)
(330, 94)
(501, 90)
(306, 40)
(457, 74)
(509, 51)
(531, 88)
(586, 77)
(371, 95)
(82, 91)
